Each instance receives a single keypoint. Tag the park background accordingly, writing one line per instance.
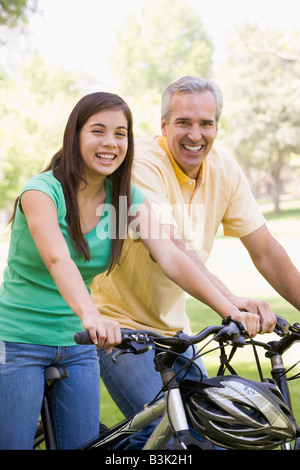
(54, 51)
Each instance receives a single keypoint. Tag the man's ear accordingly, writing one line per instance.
(163, 126)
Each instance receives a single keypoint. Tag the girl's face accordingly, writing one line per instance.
(103, 142)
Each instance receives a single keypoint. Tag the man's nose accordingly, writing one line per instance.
(195, 133)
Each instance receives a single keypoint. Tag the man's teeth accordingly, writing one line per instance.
(193, 148)
(104, 156)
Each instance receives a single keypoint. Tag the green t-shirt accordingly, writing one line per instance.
(31, 307)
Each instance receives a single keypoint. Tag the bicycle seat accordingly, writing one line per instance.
(55, 373)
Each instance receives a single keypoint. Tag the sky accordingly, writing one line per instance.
(79, 34)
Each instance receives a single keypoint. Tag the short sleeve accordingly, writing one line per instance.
(243, 215)
(48, 184)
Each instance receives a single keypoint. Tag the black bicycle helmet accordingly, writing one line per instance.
(237, 413)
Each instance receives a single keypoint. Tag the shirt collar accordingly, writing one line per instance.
(180, 175)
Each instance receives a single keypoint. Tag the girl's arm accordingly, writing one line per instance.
(178, 267)
(41, 216)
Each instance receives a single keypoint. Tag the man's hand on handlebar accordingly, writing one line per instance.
(258, 307)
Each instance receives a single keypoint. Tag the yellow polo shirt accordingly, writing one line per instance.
(137, 294)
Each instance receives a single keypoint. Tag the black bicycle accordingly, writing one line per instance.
(227, 410)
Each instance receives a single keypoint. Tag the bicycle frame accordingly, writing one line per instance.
(170, 408)
(117, 436)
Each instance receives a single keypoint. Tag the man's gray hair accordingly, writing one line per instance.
(190, 84)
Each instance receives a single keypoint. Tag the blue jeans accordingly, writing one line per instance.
(75, 401)
(133, 381)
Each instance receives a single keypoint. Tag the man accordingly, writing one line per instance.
(194, 187)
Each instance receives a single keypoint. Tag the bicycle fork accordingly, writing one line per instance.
(174, 422)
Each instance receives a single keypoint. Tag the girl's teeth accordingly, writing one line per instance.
(105, 157)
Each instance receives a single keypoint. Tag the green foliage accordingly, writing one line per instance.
(156, 46)
(159, 45)
(12, 11)
(263, 106)
(38, 100)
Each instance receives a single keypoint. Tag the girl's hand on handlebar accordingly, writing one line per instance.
(104, 333)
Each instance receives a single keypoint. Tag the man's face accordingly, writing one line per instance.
(191, 130)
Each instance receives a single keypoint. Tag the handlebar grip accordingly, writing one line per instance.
(83, 337)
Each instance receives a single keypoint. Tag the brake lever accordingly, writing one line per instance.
(232, 332)
(282, 326)
(133, 348)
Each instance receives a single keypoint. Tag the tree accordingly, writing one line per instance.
(14, 15)
(262, 94)
(161, 43)
(12, 12)
(39, 98)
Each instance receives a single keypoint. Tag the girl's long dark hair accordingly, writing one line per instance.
(68, 168)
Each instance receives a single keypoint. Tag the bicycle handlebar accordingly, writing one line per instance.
(137, 341)
(145, 336)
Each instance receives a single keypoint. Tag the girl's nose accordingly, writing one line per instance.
(109, 140)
